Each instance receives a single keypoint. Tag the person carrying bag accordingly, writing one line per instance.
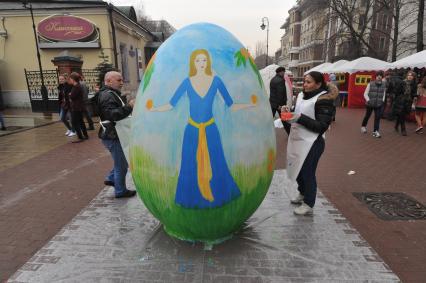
(113, 109)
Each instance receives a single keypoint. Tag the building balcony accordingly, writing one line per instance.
(293, 63)
(294, 50)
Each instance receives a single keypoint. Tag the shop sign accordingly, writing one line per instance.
(65, 28)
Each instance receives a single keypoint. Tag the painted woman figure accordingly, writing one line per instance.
(204, 178)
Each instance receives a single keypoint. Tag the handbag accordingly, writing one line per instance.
(124, 130)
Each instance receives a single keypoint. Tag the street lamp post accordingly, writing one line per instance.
(262, 26)
(43, 86)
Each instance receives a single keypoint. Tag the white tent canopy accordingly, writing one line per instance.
(363, 64)
(330, 68)
(318, 68)
(268, 73)
(417, 60)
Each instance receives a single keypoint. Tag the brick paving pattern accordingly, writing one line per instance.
(119, 241)
(45, 182)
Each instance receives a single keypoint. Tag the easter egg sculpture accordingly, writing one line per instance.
(202, 146)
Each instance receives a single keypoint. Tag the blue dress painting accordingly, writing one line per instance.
(223, 187)
(204, 178)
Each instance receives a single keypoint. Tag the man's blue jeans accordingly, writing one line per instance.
(118, 173)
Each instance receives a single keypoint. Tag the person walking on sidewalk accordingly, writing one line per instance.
(403, 101)
(374, 96)
(312, 117)
(337, 101)
(395, 89)
(64, 90)
(86, 113)
(112, 107)
(77, 108)
(278, 94)
(420, 104)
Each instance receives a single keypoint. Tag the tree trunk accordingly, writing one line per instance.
(420, 19)
(395, 30)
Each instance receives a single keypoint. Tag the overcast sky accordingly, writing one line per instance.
(240, 17)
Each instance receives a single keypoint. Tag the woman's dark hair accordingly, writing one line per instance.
(318, 78)
(75, 76)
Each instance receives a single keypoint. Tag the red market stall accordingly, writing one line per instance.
(359, 73)
(356, 88)
(341, 79)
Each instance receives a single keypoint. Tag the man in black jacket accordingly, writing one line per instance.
(112, 108)
(395, 90)
(278, 94)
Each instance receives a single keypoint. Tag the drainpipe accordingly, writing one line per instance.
(114, 40)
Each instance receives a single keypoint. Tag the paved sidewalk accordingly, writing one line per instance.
(45, 182)
(120, 241)
(18, 120)
(392, 163)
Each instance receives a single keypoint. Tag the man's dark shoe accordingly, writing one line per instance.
(127, 194)
(109, 183)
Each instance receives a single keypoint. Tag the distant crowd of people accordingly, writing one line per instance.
(73, 105)
(111, 106)
(308, 117)
(394, 98)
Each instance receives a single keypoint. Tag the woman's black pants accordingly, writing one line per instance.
(377, 114)
(306, 179)
(78, 123)
(400, 120)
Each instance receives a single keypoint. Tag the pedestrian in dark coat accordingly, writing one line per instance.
(86, 113)
(403, 100)
(77, 108)
(64, 90)
(278, 94)
(395, 88)
(112, 108)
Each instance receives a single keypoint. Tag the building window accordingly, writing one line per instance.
(389, 25)
(361, 21)
(382, 43)
(373, 25)
(385, 21)
(379, 19)
(124, 62)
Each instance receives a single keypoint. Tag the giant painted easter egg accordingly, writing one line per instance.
(202, 147)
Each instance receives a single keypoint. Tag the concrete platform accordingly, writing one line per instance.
(119, 241)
